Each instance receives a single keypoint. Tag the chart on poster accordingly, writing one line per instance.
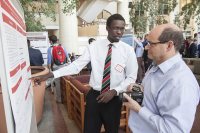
(40, 41)
(16, 63)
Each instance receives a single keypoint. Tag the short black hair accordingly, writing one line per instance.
(195, 35)
(53, 38)
(91, 40)
(114, 17)
(28, 43)
(170, 34)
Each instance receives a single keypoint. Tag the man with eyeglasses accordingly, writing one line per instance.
(114, 67)
(171, 92)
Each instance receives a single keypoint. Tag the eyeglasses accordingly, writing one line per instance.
(154, 43)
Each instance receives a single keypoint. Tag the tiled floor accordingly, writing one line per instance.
(55, 119)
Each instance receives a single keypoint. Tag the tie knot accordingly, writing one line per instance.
(110, 45)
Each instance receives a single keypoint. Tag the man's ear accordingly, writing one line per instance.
(170, 45)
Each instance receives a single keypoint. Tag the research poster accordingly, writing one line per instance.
(40, 41)
(16, 63)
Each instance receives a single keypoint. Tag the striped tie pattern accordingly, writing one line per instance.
(106, 73)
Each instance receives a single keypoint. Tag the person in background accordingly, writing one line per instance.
(181, 51)
(114, 67)
(192, 50)
(35, 56)
(89, 67)
(139, 50)
(73, 57)
(198, 48)
(55, 84)
(147, 61)
(186, 45)
(198, 45)
(50, 61)
(169, 102)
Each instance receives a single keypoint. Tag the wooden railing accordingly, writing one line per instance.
(75, 103)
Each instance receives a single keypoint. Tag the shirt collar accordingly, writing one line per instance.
(115, 44)
(165, 66)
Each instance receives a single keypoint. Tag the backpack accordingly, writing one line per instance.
(58, 53)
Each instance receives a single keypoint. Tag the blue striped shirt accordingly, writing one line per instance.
(171, 95)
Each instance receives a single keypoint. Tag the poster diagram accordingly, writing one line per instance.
(16, 62)
(40, 41)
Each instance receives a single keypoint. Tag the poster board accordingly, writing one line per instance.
(15, 67)
(40, 41)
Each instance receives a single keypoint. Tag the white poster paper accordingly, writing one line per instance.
(17, 66)
(40, 41)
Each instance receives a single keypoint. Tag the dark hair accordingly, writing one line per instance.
(114, 17)
(195, 35)
(28, 43)
(53, 38)
(146, 35)
(170, 34)
(139, 37)
(91, 40)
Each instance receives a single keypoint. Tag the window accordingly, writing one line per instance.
(163, 9)
(187, 33)
(139, 9)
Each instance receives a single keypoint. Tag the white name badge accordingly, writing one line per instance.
(119, 68)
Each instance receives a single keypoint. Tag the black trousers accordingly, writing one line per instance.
(97, 114)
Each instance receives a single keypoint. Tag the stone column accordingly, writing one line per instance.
(68, 29)
(147, 26)
(122, 8)
(175, 12)
(171, 17)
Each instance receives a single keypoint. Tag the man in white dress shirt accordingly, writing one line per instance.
(171, 92)
(104, 107)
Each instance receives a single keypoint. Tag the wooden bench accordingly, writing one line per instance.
(196, 126)
(66, 87)
(76, 105)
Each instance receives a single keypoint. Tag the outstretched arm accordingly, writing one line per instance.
(38, 79)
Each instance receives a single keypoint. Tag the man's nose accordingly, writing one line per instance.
(119, 31)
(147, 46)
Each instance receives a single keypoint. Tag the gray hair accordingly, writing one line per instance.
(171, 34)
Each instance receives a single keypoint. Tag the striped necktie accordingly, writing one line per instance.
(106, 73)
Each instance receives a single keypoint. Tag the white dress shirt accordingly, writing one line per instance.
(123, 65)
(171, 95)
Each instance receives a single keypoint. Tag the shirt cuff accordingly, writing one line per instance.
(56, 74)
(145, 113)
(118, 90)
